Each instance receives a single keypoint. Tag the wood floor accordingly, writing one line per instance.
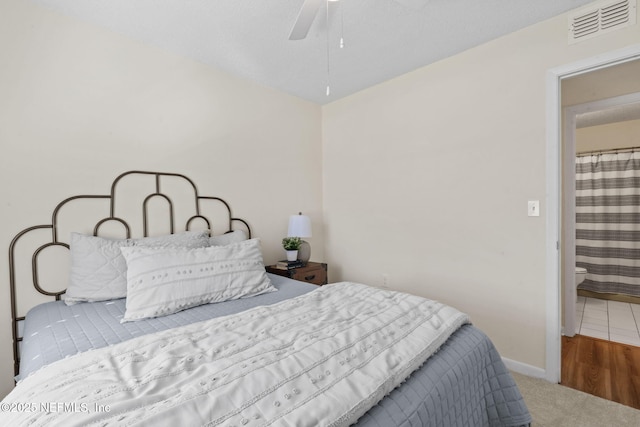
(603, 368)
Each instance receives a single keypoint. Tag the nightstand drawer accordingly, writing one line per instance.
(314, 273)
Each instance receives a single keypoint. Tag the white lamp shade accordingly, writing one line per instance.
(299, 226)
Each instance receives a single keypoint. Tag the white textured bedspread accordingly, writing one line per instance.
(320, 359)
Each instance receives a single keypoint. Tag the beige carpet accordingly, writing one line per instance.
(553, 405)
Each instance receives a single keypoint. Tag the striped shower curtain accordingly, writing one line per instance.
(608, 222)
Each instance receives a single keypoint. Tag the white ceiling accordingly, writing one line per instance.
(249, 38)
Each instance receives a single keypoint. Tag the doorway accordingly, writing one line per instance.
(606, 89)
(555, 169)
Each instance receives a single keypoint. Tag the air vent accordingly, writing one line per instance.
(600, 18)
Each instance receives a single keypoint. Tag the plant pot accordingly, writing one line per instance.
(292, 255)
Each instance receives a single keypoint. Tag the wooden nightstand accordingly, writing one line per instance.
(314, 273)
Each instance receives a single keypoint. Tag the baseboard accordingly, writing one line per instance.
(524, 369)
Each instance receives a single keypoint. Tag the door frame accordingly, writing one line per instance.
(553, 203)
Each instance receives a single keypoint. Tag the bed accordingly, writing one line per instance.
(260, 350)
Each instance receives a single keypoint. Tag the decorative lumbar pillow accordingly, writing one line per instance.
(99, 271)
(235, 236)
(165, 281)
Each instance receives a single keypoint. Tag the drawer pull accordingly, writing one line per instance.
(311, 277)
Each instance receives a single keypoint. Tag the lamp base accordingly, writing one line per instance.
(304, 252)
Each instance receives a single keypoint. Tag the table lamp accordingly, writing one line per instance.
(300, 226)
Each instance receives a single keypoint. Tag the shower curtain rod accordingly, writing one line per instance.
(611, 150)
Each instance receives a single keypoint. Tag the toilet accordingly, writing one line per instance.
(581, 274)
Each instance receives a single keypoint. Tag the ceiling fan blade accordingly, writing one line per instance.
(306, 16)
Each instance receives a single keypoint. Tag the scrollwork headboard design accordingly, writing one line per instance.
(194, 214)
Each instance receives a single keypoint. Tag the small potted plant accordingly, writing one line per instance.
(291, 245)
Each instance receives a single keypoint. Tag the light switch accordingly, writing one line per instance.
(533, 208)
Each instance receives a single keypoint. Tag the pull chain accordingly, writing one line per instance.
(328, 59)
(341, 28)
(329, 44)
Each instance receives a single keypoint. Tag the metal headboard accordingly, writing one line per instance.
(111, 198)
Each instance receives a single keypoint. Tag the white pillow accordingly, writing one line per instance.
(165, 281)
(235, 236)
(98, 269)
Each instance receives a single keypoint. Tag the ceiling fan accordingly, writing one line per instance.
(310, 8)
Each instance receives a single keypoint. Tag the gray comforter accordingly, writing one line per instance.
(464, 384)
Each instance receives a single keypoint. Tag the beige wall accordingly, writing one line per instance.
(607, 137)
(427, 177)
(79, 105)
